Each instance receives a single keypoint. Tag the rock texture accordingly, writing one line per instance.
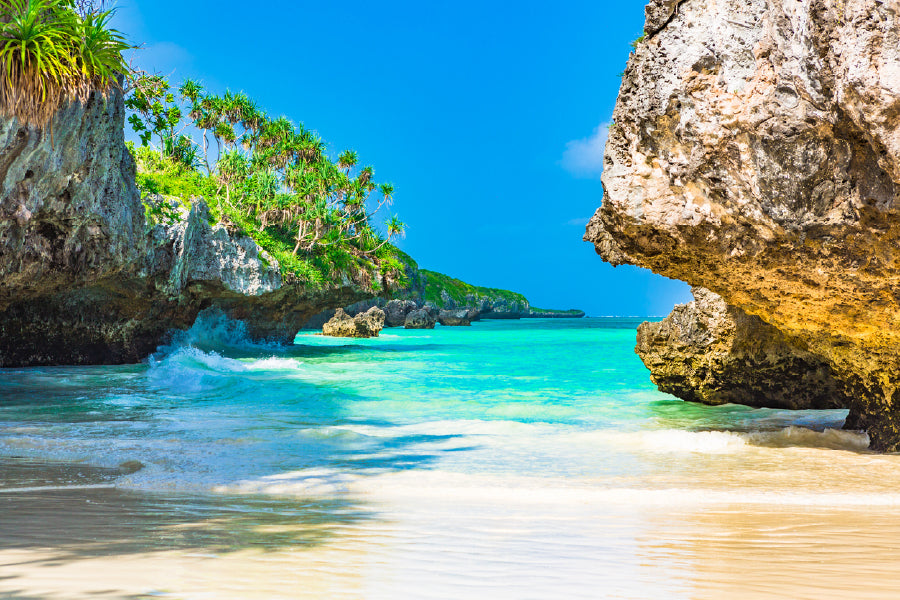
(709, 352)
(755, 151)
(419, 319)
(364, 325)
(454, 318)
(395, 312)
(86, 279)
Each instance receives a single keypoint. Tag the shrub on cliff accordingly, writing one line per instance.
(52, 54)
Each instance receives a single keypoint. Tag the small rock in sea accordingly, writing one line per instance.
(395, 312)
(454, 318)
(364, 325)
(419, 319)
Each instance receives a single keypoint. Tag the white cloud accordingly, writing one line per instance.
(584, 157)
(582, 222)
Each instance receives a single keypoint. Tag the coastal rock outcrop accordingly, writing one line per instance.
(85, 278)
(436, 292)
(454, 318)
(364, 325)
(709, 352)
(395, 312)
(755, 151)
(419, 319)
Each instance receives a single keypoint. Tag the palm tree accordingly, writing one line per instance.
(232, 167)
(263, 189)
(191, 90)
(51, 55)
(395, 228)
(225, 132)
(387, 193)
(365, 176)
(347, 160)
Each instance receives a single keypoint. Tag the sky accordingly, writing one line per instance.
(488, 117)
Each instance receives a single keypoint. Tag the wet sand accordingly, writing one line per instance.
(114, 544)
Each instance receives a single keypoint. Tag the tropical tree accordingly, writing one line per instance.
(53, 52)
(155, 111)
(275, 174)
(233, 168)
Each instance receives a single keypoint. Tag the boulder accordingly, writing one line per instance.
(712, 353)
(363, 325)
(454, 318)
(755, 152)
(395, 312)
(419, 319)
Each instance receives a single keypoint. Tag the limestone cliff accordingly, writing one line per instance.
(86, 279)
(709, 352)
(755, 151)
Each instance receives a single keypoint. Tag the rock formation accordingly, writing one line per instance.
(395, 312)
(755, 151)
(86, 279)
(709, 352)
(485, 303)
(364, 325)
(454, 318)
(419, 319)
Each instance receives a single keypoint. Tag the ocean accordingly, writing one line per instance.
(511, 459)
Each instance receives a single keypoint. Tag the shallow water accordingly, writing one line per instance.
(529, 459)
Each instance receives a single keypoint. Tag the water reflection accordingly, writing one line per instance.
(74, 524)
(742, 552)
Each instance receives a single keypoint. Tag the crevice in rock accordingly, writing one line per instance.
(651, 34)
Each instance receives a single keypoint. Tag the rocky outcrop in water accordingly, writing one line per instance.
(395, 312)
(86, 279)
(709, 352)
(419, 319)
(481, 303)
(454, 318)
(755, 151)
(364, 325)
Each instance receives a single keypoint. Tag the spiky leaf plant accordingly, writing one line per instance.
(51, 55)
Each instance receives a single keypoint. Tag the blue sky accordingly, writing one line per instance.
(488, 117)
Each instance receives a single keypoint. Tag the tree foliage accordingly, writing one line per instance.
(269, 173)
(53, 52)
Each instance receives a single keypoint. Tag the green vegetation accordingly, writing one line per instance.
(53, 52)
(270, 178)
(431, 284)
(638, 41)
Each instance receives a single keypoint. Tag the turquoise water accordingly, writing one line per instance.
(508, 459)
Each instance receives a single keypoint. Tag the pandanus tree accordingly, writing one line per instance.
(278, 174)
(52, 54)
(233, 168)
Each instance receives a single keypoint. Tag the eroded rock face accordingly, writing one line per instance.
(85, 279)
(364, 325)
(755, 152)
(454, 318)
(709, 352)
(395, 312)
(419, 319)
